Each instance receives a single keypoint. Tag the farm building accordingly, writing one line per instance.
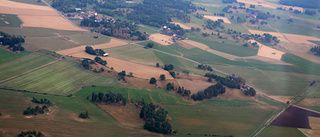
(106, 54)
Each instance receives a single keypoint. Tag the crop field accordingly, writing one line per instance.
(315, 42)
(277, 131)
(63, 117)
(134, 53)
(33, 2)
(228, 48)
(210, 120)
(51, 43)
(148, 29)
(22, 64)
(37, 32)
(6, 55)
(61, 78)
(8, 20)
(262, 28)
(306, 66)
(86, 38)
(159, 96)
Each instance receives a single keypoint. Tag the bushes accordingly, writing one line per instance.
(35, 111)
(153, 81)
(210, 92)
(108, 98)
(31, 133)
(84, 115)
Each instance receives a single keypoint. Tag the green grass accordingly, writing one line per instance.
(6, 55)
(22, 64)
(49, 53)
(276, 131)
(148, 29)
(62, 120)
(86, 38)
(36, 32)
(61, 78)
(262, 28)
(217, 120)
(231, 103)
(13, 20)
(133, 53)
(228, 48)
(33, 2)
(51, 43)
(167, 49)
(306, 66)
(159, 96)
(313, 91)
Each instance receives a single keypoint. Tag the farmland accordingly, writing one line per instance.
(8, 20)
(61, 78)
(7, 56)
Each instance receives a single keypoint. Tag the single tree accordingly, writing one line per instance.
(153, 81)
(163, 77)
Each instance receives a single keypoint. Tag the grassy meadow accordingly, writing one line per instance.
(9, 20)
(7, 56)
(61, 78)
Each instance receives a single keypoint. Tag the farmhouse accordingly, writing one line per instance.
(106, 54)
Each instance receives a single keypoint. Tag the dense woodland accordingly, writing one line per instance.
(14, 42)
(210, 92)
(229, 81)
(155, 118)
(302, 3)
(315, 50)
(108, 98)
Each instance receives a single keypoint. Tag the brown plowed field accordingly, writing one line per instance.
(295, 117)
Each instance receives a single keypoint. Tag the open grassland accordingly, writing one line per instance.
(228, 48)
(161, 47)
(306, 66)
(148, 29)
(62, 120)
(22, 64)
(277, 131)
(37, 32)
(8, 20)
(261, 28)
(311, 98)
(218, 120)
(62, 78)
(6, 55)
(134, 53)
(158, 96)
(49, 43)
(86, 38)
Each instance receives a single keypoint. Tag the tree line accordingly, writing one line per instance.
(155, 120)
(108, 98)
(230, 81)
(31, 134)
(36, 110)
(315, 50)
(208, 93)
(90, 50)
(14, 42)
(41, 101)
(301, 3)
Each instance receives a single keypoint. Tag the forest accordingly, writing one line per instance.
(208, 93)
(14, 42)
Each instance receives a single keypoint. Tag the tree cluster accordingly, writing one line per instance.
(100, 61)
(153, 81)
(31, 134)
(183, 91)
(315, 50)
(310, 12)
(90, 50)
(156, 120)
(168, 67)
(301, 3)
(14, 42)
(250, 92)
(84, 115)
(170, 86)
(85, 63)
(109, 98)
(230, 81)
(35, 111)
(209, 92)
(205, 67)
(214, 24)
(229, 1)
(41, 101)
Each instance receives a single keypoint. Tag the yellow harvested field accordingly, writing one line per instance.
(181, 25)
(266, 4)
(112, 43)
(161, 39)
(299, 38)
(209, 5)
(196, 44)
(194, 85)
(279, 35)
(314, 122)
(215, 18)
(268, 52)
(37, 16)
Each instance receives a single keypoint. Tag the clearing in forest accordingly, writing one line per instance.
(215, 18)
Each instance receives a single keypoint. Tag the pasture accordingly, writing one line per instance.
(22, 64)
(87, 38)
(61, 78)
(9, 20)
(148, 29)
(7, 56)
(277, 131)
(62, 120)
(33, 2)
(48, 43)
(37, 32)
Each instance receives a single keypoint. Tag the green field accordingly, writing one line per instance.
(217, 120)
(262, 28)
(148, 29)
(276, 131)
(23, 64)
(62, 121)
(6, 55)
(9, 20)
(37, 32)
(86, 38)
(49, 43)
(159, 96)
(306, 66)
(161, 47)
(61, 78)
(33, 2)
(228, 48)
